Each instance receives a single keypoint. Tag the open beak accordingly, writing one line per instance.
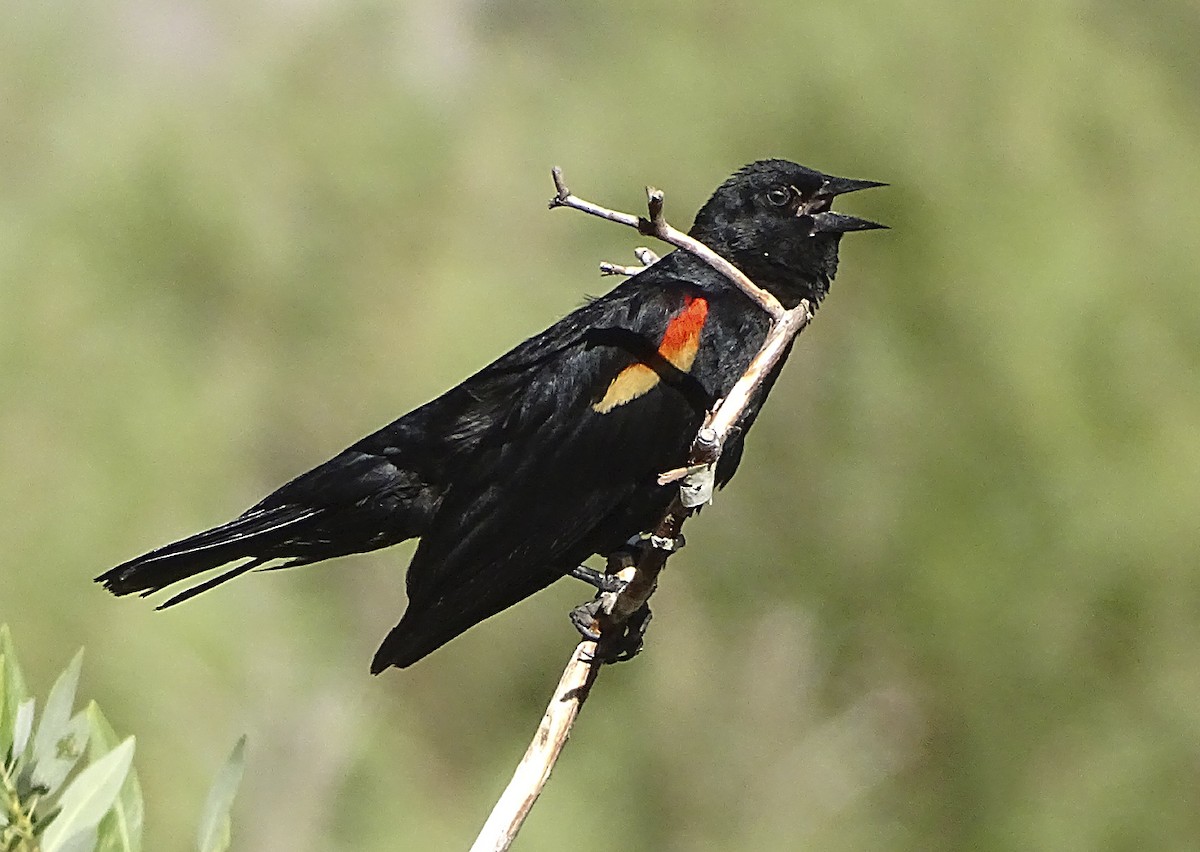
(840, 186)
(838, 223)
(827, 222)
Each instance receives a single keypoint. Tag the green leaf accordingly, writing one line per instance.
(51, 769)
(121, 828)
(84, 841)
(13, 689)
(6, 725)
(15, 679)
(60, 739)
(214, 831)
(57, 713)
(87, 799)
(23, 726)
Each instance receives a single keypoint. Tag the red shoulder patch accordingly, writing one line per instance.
(679, 345)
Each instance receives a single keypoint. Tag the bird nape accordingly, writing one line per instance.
(550, 454)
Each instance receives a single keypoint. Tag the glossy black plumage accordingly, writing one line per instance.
(550, 454)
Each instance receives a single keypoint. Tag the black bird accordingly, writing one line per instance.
(550, 454)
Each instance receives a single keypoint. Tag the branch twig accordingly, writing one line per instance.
(656, 226)
(644, 255)
(534, 769)
(698, 476)
(607, 268)
(696, 484)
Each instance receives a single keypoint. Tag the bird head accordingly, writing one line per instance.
(773, 220)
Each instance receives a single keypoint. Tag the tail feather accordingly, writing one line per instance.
(257, 533)
(212, 583)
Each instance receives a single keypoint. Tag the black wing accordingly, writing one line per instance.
(555, 476)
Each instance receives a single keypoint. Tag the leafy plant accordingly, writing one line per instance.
(47, 806)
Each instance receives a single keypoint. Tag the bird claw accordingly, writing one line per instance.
(631, 641)
(602, 582)
(585, 619)
(612, 648)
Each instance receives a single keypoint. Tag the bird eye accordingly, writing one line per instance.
(779, 196)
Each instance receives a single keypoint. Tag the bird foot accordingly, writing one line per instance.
(612, 647)
(602, 582)
(585, 617)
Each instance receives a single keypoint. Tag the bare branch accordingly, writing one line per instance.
(607, 268)
(647, 257)
(774, 346)
(656, 226)
(643, 254)
(564, 198)
(644, 581)
(534, 769)
(678, 474)
(696, 483)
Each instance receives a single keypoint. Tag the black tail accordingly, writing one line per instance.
(259, 535)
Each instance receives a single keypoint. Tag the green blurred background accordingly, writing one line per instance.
(951, 601)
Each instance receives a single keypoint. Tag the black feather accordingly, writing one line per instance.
(519, 473)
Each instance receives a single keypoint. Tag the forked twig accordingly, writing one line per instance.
(656, 226)
(643, 254)
(696, 485)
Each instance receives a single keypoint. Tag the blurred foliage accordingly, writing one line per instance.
(45, 806)
(950, 601)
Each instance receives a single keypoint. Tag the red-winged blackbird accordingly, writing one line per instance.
(551, 453)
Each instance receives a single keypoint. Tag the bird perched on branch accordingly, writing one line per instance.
(551, 454)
